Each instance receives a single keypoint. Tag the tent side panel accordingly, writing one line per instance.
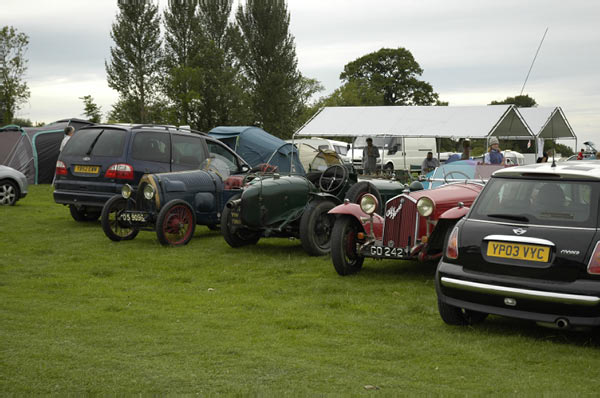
(47, 146)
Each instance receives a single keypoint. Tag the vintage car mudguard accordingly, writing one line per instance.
(326, 195)
(354, 210)
(454, 213)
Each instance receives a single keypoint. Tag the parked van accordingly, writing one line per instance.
(396, 153)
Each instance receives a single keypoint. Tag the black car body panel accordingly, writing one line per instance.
(525, 246)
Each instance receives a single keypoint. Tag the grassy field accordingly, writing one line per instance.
(82, 314)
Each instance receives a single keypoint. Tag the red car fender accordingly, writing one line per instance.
(354, 210)
(454, 213)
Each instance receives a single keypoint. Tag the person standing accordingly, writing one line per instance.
(580, 154)
(493, 156)
(69, 130)
(429, 163)
(466, 153)
(370, 155)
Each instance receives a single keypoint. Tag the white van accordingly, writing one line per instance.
(396, 153)
(340, 147)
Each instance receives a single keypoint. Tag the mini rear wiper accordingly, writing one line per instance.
(510, 217)
(94, 143)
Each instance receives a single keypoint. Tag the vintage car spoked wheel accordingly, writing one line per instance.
(111, 225)
(8, 193)
(450, 173)
(235, 235)
(343, 246)
(82, 213)
(176, 223)
(316, 226)
(333, 178)
(358, 190)
(459, 316)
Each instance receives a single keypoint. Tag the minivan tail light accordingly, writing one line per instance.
(452, 247)
(121, 171)
(594, 264)
(61, 168)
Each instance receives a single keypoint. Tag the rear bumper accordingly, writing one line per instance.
(95, 199)
(541, 301)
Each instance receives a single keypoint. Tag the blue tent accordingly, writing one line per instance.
(256, 146)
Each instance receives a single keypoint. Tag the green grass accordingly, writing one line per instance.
(82, 314)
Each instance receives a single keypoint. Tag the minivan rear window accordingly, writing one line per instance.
(96, 142)
(538, 201)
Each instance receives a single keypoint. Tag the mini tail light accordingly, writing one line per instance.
(121, 171)
(61, 168)
(594, 264)
(452, 247)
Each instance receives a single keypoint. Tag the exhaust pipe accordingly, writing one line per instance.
(233, 203)
(562, 323)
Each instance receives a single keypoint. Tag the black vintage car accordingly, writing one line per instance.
(173, 203)
(529, 248)
(298, 206)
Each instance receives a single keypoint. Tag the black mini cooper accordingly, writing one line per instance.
(529, 248)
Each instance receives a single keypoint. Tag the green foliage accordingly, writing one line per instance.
(392, 74)
(564, 150)
(22, 122)
(267, 55)
(202, 80)
(82, 315)
(13, 65)
(91, 110)
(134, 69)
(521, 101)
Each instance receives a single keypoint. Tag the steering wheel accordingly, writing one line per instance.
(333, 178)
(448, 174)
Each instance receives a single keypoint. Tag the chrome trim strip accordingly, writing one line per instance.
(529, 225)
(539, 295)
(519, 239)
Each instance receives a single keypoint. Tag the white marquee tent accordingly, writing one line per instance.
(501, 121)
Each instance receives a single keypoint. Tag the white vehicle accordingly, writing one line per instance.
(340, 147)
(396, 153)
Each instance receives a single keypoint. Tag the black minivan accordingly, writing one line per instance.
(98, 160)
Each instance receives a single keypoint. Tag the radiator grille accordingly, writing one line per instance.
(400, 222)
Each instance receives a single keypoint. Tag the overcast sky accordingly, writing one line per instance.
(472, 51)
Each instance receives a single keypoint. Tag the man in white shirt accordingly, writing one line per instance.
(69, 130)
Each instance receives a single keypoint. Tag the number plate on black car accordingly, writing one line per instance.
(384, 252)
(84, 169)
(134, 217)
(518, 251)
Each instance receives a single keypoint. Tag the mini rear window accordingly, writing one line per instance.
(539, 201)
(96, 142)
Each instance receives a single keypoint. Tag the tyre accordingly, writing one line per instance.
(343, 246)
(316, 226)
(389, 168)
(112, 227)
(458, 316)
(236, 236)
(84, 213)
(9, 193)
(176, 223)
(357, 191)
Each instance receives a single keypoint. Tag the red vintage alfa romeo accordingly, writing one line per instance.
(413, 226)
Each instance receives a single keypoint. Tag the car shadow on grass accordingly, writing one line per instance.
(501, 327)
(397, 271)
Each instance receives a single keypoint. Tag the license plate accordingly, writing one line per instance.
(388, 252)
(133, 217)
(87, 169)
(518, 251)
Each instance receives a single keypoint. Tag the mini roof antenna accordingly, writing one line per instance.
(553, 142)
(533, 62)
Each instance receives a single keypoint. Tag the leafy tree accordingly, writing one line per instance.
(521, 101)
(22, 122)
(91, 110)
(13, 65)
(392, 74)
(134, 69)
(267, 54)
